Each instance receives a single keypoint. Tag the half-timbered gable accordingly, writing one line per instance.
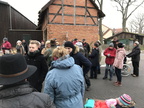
(69, 19)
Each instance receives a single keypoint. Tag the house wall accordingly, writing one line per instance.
(61, 28)
(108, 34)
(69, 32)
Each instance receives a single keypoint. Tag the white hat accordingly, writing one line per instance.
(18, 41)
(79, 44)
(136, 42)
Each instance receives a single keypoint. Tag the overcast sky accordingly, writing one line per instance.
(30, 9)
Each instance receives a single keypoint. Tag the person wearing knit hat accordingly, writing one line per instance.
(80, 60)
(125, 99)
(69, 46)
(135, 55)
(110, 54)
(111, 45)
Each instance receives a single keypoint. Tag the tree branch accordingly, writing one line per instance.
(135, 9)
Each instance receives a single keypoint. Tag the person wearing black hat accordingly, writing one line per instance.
(80, 60)
(118, 63)
(135, 55)
(6, 46)
(16, 91)
(34, 57)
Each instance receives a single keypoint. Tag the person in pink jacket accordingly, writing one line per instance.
(118, 63)
(110, 53)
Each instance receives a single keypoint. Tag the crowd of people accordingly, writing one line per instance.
(64, 70)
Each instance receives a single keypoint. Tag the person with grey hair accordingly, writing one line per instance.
(110, 54)
(6, 45)
(135, 55)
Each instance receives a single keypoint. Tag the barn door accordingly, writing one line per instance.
(27, 37)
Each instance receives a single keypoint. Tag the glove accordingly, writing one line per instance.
(108, 55)
(128, 56)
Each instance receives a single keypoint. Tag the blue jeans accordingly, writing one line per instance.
(110, 69)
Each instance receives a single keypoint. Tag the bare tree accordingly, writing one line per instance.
(124, 6)
(100, 3)
(137, 24)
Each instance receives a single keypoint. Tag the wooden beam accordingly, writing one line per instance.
(91, 17)
(62, 10)
(55, 14)
(73, 6)
(74, 12)
(73, 24)
(85, 12)
(48, 15)
(73, 15)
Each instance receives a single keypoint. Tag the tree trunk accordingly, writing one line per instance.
(124, 25)
(100, 30)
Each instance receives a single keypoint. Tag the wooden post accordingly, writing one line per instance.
(10, 17)
(56, 14)
(48, 16)
(74, 12)
(62, 11)
(85, 12)
(91, 17)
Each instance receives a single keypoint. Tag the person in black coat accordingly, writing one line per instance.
(135, 55)
(86, 47)
(34, 57)
(80, 60)
(25, 45)
(15, 91)
(94, 58)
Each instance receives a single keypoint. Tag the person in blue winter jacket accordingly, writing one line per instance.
(80, 60)
(65, 82)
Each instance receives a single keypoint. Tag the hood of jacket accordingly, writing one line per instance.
(121, 49)
(63, 62)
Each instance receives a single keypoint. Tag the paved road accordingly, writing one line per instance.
(134, 86)
(104, 89)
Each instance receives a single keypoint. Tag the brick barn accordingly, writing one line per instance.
(69, 19)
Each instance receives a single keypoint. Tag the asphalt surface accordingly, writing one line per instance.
(104, 89)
